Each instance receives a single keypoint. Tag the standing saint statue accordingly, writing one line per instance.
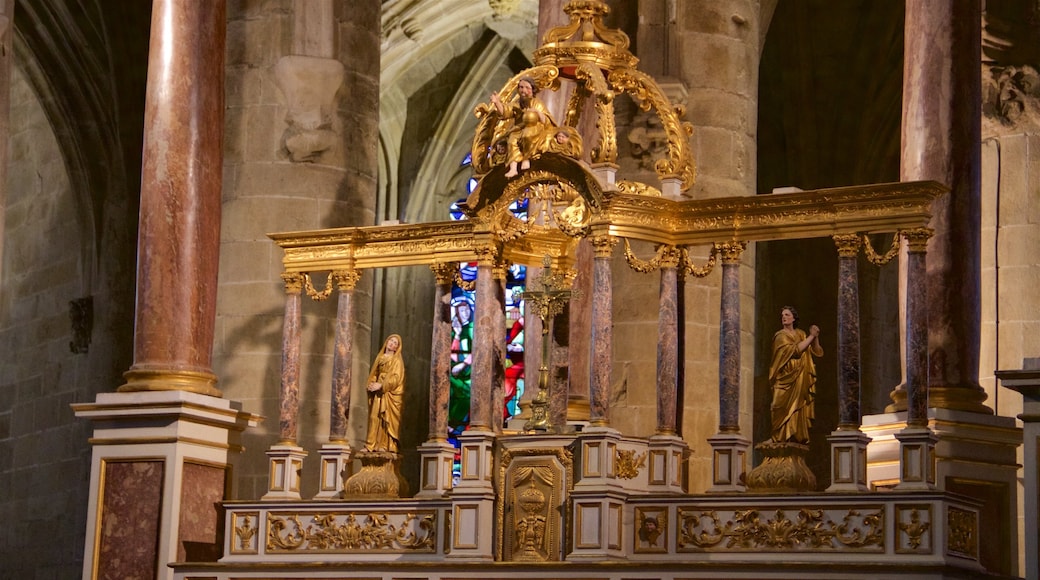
(385, 395)
(792, 376)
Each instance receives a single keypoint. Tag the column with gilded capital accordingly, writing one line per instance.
(336, 454)
(473, 496)
(437, 455)
(666, 448)
(848, 443)
(286, 456)
(916, 441)
(729, 447)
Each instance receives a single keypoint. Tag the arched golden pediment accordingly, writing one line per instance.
(562, 192)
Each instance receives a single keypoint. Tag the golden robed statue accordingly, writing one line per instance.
(385, 395)
(792, 376)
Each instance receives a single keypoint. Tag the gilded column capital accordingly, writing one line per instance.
(488, 255)
(731, 252)
(499, 269)
(603, 245)
(293, 282)
(669, 255)
(444, 272)
(347, 280)
(917, 238)
(847, 244)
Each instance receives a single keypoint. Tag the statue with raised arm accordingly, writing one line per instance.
(385, 395)
(792, 376)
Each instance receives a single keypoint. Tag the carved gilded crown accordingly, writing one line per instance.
(597, 60)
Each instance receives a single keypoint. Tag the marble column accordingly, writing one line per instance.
(485, 333)
(729, 447)
(498, 344)
(848, 443)
(848, 332)
(437, 454)
(440, 351)
(941, 141)
(336, 454)
(179, 227)
(729, 338)
(602, 331)
(668, 344)
(286, 456)
(917, 441)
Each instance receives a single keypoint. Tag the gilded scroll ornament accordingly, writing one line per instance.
(636, 188)
(352, 532)
(628, 464)
(812, 531)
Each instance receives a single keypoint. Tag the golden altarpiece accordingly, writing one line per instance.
(547, 501)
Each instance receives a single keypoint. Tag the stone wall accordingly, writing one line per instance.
(44, 455)
(273, 185)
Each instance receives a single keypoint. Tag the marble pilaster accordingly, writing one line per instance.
(602, 331)
(179, 227)
(668, 344)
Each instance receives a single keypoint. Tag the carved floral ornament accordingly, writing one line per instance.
(352, 532)
(813, 530)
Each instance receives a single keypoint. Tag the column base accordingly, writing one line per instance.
(283, 481)
(435, 472)
(336, 467)
(848, 460)
(916, 459)
(379, 478)
(667, 461)
(476, 463)
(783, 470)
(729, 463)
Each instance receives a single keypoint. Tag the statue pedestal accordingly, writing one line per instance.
(783, 470)
(379, 478)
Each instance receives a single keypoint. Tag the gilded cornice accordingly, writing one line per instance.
(826, 212)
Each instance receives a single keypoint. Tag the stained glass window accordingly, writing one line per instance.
(462, 310)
